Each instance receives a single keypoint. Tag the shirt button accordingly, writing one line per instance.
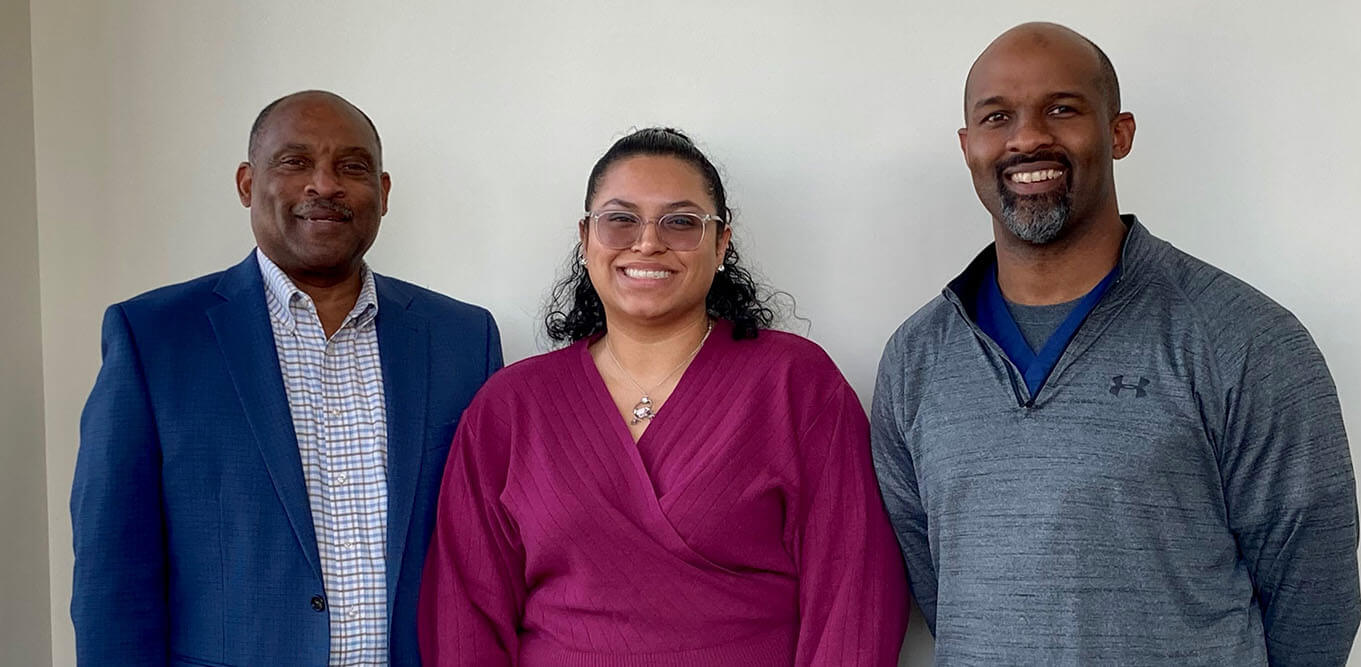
(347, 545)
(342, 478)
(318, 603)
(354, 612)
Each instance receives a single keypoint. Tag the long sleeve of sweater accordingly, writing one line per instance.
(1290, 490)
(890, 414)
(473, 588)
(853, 602)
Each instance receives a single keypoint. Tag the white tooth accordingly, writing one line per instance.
(643, 273)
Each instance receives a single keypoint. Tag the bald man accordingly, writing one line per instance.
(261, 452)
(1094, 448)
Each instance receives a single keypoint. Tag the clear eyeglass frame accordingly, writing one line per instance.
(667, 235)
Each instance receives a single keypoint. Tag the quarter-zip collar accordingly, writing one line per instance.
(1138, 249)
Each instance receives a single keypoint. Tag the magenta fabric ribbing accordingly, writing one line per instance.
(744, 528)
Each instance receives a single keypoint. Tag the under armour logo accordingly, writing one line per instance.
(1140, 388)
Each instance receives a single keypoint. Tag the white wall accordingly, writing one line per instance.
(835, 123)
(25, 634)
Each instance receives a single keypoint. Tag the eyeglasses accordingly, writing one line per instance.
(619, 229)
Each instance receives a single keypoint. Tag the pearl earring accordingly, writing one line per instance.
(721, 267)
(581, 259)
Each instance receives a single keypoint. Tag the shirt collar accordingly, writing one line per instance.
(285, 292)
(1134, 250)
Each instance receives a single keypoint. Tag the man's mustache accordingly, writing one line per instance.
(1039, 156)
(313, 207)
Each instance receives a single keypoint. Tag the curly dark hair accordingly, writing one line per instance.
(574, 309)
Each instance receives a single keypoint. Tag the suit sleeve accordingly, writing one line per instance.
(118, 601)
(494, 358)
(473, 588)
(853, 600)
(898, 481)
(1291, 497)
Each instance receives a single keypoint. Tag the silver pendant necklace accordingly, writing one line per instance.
(643, 410)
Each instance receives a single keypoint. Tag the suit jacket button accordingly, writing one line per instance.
(318, 603)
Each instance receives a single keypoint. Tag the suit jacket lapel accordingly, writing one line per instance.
(404, 345)
(247, 341)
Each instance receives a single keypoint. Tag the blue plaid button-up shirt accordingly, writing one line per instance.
(335, 394)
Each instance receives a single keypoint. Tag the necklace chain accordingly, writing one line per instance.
(643, 410)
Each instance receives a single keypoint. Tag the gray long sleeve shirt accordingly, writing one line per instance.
(1179, 491)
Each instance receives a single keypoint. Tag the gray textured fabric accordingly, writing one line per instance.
(1038, 323)
(1179, 492)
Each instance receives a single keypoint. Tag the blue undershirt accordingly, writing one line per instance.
(995, 319)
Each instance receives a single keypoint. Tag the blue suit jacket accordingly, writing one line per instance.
(193, 534)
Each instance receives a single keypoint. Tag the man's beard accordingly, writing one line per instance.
(1037, 219)
(1042, 218)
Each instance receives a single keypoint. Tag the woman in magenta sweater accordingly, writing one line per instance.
(680, 486)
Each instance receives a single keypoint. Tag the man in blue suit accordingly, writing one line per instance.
(261, 453)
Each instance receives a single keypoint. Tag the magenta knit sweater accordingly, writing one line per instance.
(743, 529)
